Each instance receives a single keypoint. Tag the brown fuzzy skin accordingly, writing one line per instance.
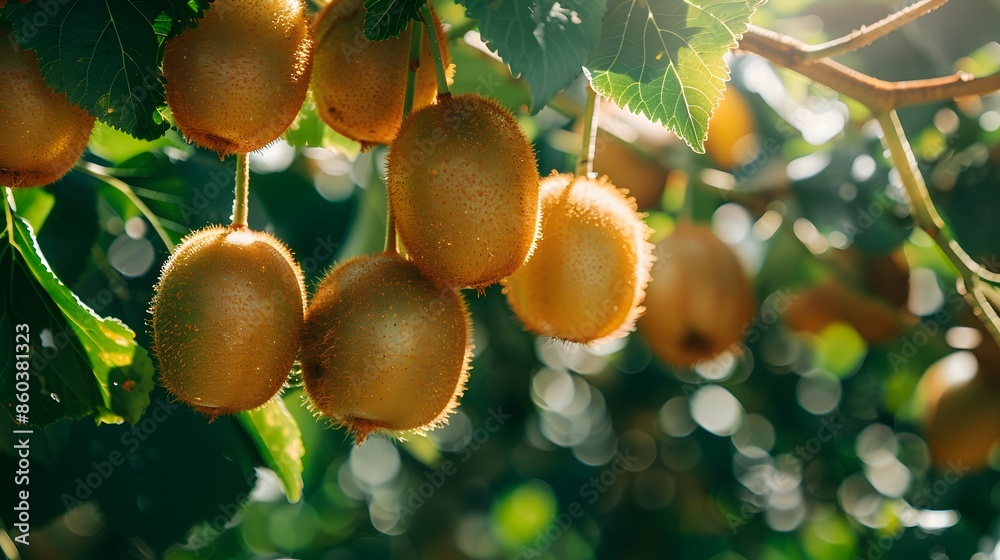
(42, 133)
(586, 280)
(227, 319)
(236, 82)
(463, 185)
(384, 348)
(699, 300)
(368, 108)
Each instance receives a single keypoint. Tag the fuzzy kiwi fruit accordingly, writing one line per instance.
(699, 300)
(227, 319)
(43, 133)
(236, 81)
(586, 279)
(368, 107)
(463, 185)
(384, 348)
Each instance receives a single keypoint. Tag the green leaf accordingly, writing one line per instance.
(80, 364)
(111, 67)
(279, 441)
(385, 19)
(664, 59)
(546, 42)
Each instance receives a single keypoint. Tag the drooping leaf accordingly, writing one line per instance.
(546, 42)
(664, 59)
(385, 19)
(80, 364)
(279, 441)
(111, 68)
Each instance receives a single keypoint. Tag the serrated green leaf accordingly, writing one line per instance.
(81, 364)
(279, 441)
(664, 59)
(546, 42)
(111, 68)
(385, 19)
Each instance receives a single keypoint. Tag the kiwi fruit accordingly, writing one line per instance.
(732, 131)
(961, 420)
(43, 133)
(699, 301)
(227, 319)
(463, 185)
(368, 107)
(586, 280)
(384, 348)
(236, 81)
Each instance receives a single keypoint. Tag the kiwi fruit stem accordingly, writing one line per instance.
(585, 163)
(412, 65)
(240, 201)
(442, 79)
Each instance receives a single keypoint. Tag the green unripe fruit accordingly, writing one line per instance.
(227, 319)
(384, 348)
(463, 185)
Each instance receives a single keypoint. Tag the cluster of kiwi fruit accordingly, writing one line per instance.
(385, 343)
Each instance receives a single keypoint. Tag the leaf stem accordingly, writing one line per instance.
(126, 189)
(868, 34)
(413, 64)
(585, 162)
(242, 193)
(432, 38)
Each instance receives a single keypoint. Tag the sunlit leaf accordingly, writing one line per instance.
(81, 364)
(664, 59)
(385, 19)
(279, 441)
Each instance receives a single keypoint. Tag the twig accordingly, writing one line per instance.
(881, 96)
(868, 34)
(412, 65)
(927, 218)
(432, 39)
